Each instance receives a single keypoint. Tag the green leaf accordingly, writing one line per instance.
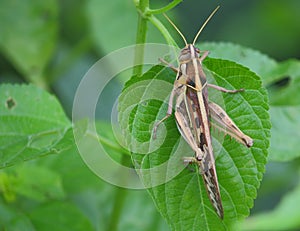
(284, 111)
(285, 84)
(28, 35)
(84, 187)
(183, 201)
(32, 124)
(282, 81)
(140, 213)
(33, 182)
(11, 219)
(285, 216)
(64, 216)
(260, 63)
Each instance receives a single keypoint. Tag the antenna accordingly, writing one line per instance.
(204, 24)
(179, 32)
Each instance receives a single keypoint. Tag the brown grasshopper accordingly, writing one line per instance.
(193, 112)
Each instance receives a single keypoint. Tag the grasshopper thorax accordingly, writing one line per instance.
(188, 52)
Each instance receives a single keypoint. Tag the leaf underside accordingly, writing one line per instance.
(182, 200)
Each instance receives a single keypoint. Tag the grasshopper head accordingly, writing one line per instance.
(188, 52)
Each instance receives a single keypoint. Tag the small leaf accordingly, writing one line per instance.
(183, 201)
(32, 124)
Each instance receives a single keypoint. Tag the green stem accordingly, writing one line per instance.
(163, 30)
(119, 201)
(165, 8)
(144, 15)
(140, 36)
(120, 194)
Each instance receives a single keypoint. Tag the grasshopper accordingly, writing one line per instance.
(193, 113)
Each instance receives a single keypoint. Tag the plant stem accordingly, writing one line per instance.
(120, 193)
(144, 15)
(165, 8)
(140, 36)
(119, 200)
(163, 30)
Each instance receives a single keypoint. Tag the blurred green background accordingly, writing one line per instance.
(54, 43)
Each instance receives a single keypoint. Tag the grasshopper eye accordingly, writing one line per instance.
(197, 50)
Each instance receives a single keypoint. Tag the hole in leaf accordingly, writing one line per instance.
(282, 82)
(10, 103)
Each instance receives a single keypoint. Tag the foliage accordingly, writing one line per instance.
(44, 184)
